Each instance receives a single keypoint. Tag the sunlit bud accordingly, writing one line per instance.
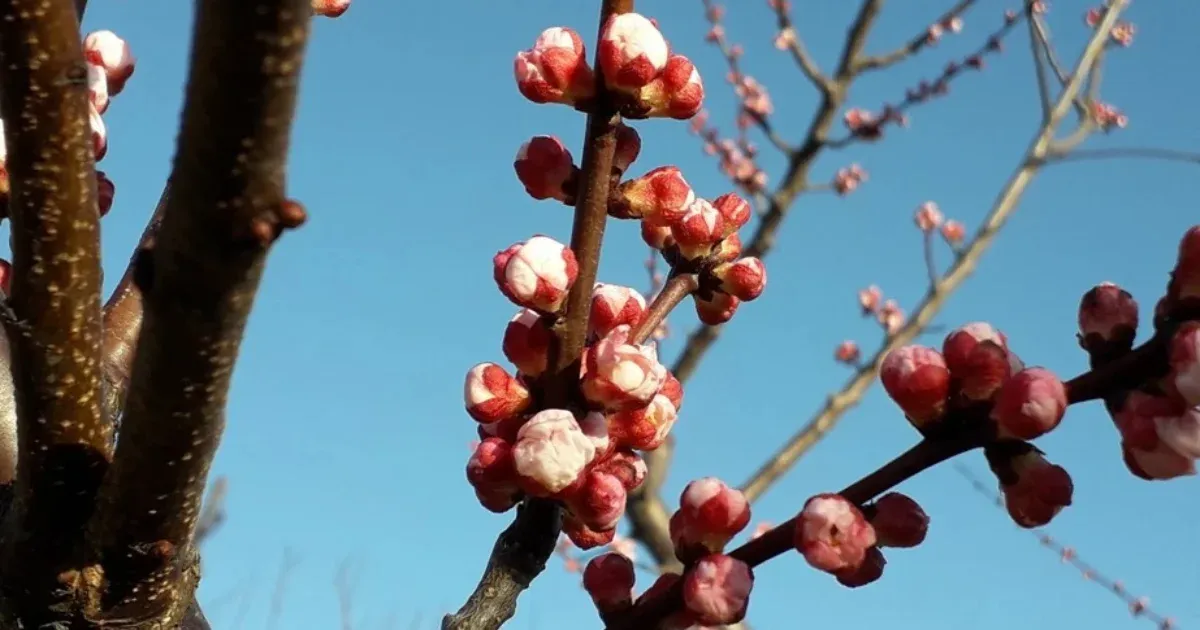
(659, 197)
(710, 514)
(744, 279)
(619, 375)
(657, 236)
(729, 249)
(832, 534)
(632, 51)
(555, 70)
(537, 273)
(551, 451)
(527, 342)
(644, 428)
(917, 379)
(614, 305)
(1185, 362)
(734, 210)
(1034, 489)
(698, 229)
(716, 590)
(105, 49)
(492, 394)
(1159, 463)
(1030, 404)
(717, 310)
(629, 145)
(977, 357)
(600, 501)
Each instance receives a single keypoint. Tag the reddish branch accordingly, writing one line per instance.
(226, 208)
(521, 550)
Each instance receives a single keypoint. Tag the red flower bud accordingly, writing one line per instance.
(717, 590)
(916, 378)
(869, 571)
(977, 357)
(1108, 318)
(744, 278)
(833, 534)
(608, 578)
(1185, 362)
(898, 521)
(710, 515)
(1030, 404)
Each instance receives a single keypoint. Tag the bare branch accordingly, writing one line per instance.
(914, 45)
(226, 207)
(677, 288)
(1148, 153)
(800, 54)
(1040, 51)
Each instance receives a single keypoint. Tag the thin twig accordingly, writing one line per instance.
(800, 54)
(914, 45)
(678, 287)
(1148, 153)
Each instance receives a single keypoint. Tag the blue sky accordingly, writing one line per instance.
(347, 438)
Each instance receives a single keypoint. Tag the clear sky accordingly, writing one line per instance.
(347, 438)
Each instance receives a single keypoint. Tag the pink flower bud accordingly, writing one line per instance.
(619, 375)
(614, 305)
(536, 274)
(632, 51)
(847, 352)
(673, 390)
(595, 426)
(734, 210)
(626, 465)
(608, 578)
(682, 90)
(833, 534)
(1030, 404)
(555, 70)
(977, 357)
(105, 49)
(1185, 279)
(492, 394)
(717, 310)
(97, 87)
(1181, 433)
(916, 378)
(629, 145)
(1185, 362)
(1034, 489)
(659, 197)
(898, 521)
(869, 571)
(551, 451)
(710, 515)
(497, 501)
(717, 590)
(848, 179)
(744, 279)
(491, 472)
(1108, 314)
(527, 342)
(599, 502)
(644, 428)
(585, 537)
(699, 228)
(928, 217)
(6, 277)
(729, 249)
(330, 8)
(1137, 417)
(545, 168)
(657, 236)
(1159, 463)
(99, 133)
(953, 232)
(105, 191)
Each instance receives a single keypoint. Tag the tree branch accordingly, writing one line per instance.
(678, 287)
(800, 54)
(914, 45)
(226, 208)
(54, 325)
(1149, 153)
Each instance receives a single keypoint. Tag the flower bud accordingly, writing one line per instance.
(492, 474)
(729, 249)
(1034, 489)
(734, 210)
(1030, 404)
(644, 428)
(107, 50)
(599, 502)
(673, 390)
(678, 92)
(595, 426)
(555, 70)
(545, 168)
(916, 378)
(97, 81)
(619, 375)
(492, 394)
(614, 305)
(869, 571)
(330, 8)
(105, 191)
(1185, 362)
(585, 537)
(977, 357)
(898, 521)
(608, 579)
(659, 197)
(1108, 319)
(744, 279)
(710, 515)
(629, 145)
(626, 465)
(6, 273)
(632, 51)
(505, 429)
(99, 133)
(717, 590)
(527, 342)
(657, 236)
(1159, 463)
(551, 451)
(1181, 433)
(698, 229)
(497, 501)
(536, 274)
(1137, 416)
(1185, 279)
(832, 534)
(717, 310)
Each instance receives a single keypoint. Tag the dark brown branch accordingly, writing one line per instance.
(914, 45)
(678, 287)
(198, 286)
(54, 329)
(521, 551)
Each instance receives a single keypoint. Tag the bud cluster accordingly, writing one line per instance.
(835, 536)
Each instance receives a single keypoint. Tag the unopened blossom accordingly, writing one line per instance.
(870, 570)
(710, 514)
(891, 317)
(1108, 319)
(97, 80)
(848, 179)
(585, 537)
(928, 217)
(629, 145)
(673, 390)
(646, 427)
(717, 310)
(933, 34)
(527, 342)
(1185, 362)
(659, 197)
(99, 133)
(734, 210)
(744, 278)
(614, 305)
(1185, 278)
(551, 451)
(594, 425)
(977, 356)
(832, 533)
(599, 501)
(1108, 116)
(626, 465)
(5, 277)
(728, 250)
(1181, 433)
(847, 352)
(862, 123)
(546, 169)
(869, 299)
(698, 229)
(716, 590)
(657, 236)
(1034, 489)
(1159, 463)
(106, 190)
(678, 92)
(1030, 404)
(491, 472)
(1122, 33)
(555, 69)
(107, 50)
(608, 579)
(898, 521)
(632, 51)
(536, 274)
(785, 38)
(1138, 415)
(330, 8)
(953, 232)
(916, 377)
(755, 99)
(492, 394)
(954, 24)
(620, 375)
